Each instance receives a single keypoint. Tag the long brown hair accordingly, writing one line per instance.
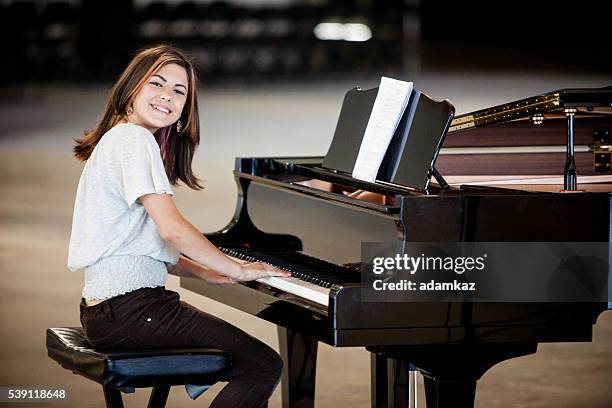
(177, 149)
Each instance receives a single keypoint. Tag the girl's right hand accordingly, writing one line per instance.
(255, 270)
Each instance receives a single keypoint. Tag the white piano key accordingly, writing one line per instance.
(295, 286)
(299, 287)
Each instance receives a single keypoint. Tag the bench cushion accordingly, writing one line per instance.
(136, 368)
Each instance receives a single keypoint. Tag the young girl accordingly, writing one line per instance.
(127, 233)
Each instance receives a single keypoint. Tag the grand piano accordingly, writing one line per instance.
(505, 168)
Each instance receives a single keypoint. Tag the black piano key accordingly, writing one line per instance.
(304, 267)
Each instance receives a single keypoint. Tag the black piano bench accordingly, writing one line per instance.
(124, 370)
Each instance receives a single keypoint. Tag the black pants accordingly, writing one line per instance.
(156, 318)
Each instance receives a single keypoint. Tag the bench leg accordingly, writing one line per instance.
(112, 396)
(159, 396)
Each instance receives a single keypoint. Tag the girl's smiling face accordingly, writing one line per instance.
(161, 100)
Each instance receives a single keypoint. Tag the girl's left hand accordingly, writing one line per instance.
(217, 279)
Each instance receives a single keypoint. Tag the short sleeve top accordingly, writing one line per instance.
(108, 219)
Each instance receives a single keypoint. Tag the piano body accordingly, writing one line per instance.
(298, 215)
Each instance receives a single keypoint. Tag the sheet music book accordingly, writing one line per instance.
(391, 101)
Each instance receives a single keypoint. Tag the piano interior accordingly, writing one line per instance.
(523, 144)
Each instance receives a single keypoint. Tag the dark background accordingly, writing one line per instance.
(261, 40)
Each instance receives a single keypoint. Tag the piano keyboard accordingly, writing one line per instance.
(311, 284)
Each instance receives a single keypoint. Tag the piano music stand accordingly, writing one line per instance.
(412, 152)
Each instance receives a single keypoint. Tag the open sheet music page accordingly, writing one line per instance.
(390, 104)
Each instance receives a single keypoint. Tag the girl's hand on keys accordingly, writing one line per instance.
(255, 270)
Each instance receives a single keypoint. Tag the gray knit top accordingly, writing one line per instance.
(113, 238)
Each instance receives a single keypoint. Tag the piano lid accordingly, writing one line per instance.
(589, 98)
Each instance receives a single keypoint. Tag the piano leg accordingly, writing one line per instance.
(299, 353)
(392, 383)
(450, 371)
(456, 394)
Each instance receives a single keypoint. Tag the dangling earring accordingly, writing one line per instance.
(179, 126)
(129, 110)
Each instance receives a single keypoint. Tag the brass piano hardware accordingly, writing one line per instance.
(506, 112)
(462, 120)
(512, 149)
(537, 119)
(570, 111)
(466, 125)
(598, 147)
(602, 149)
(601, 134)
(602, 162)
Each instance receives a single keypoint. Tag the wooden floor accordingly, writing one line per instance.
(38, 178)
